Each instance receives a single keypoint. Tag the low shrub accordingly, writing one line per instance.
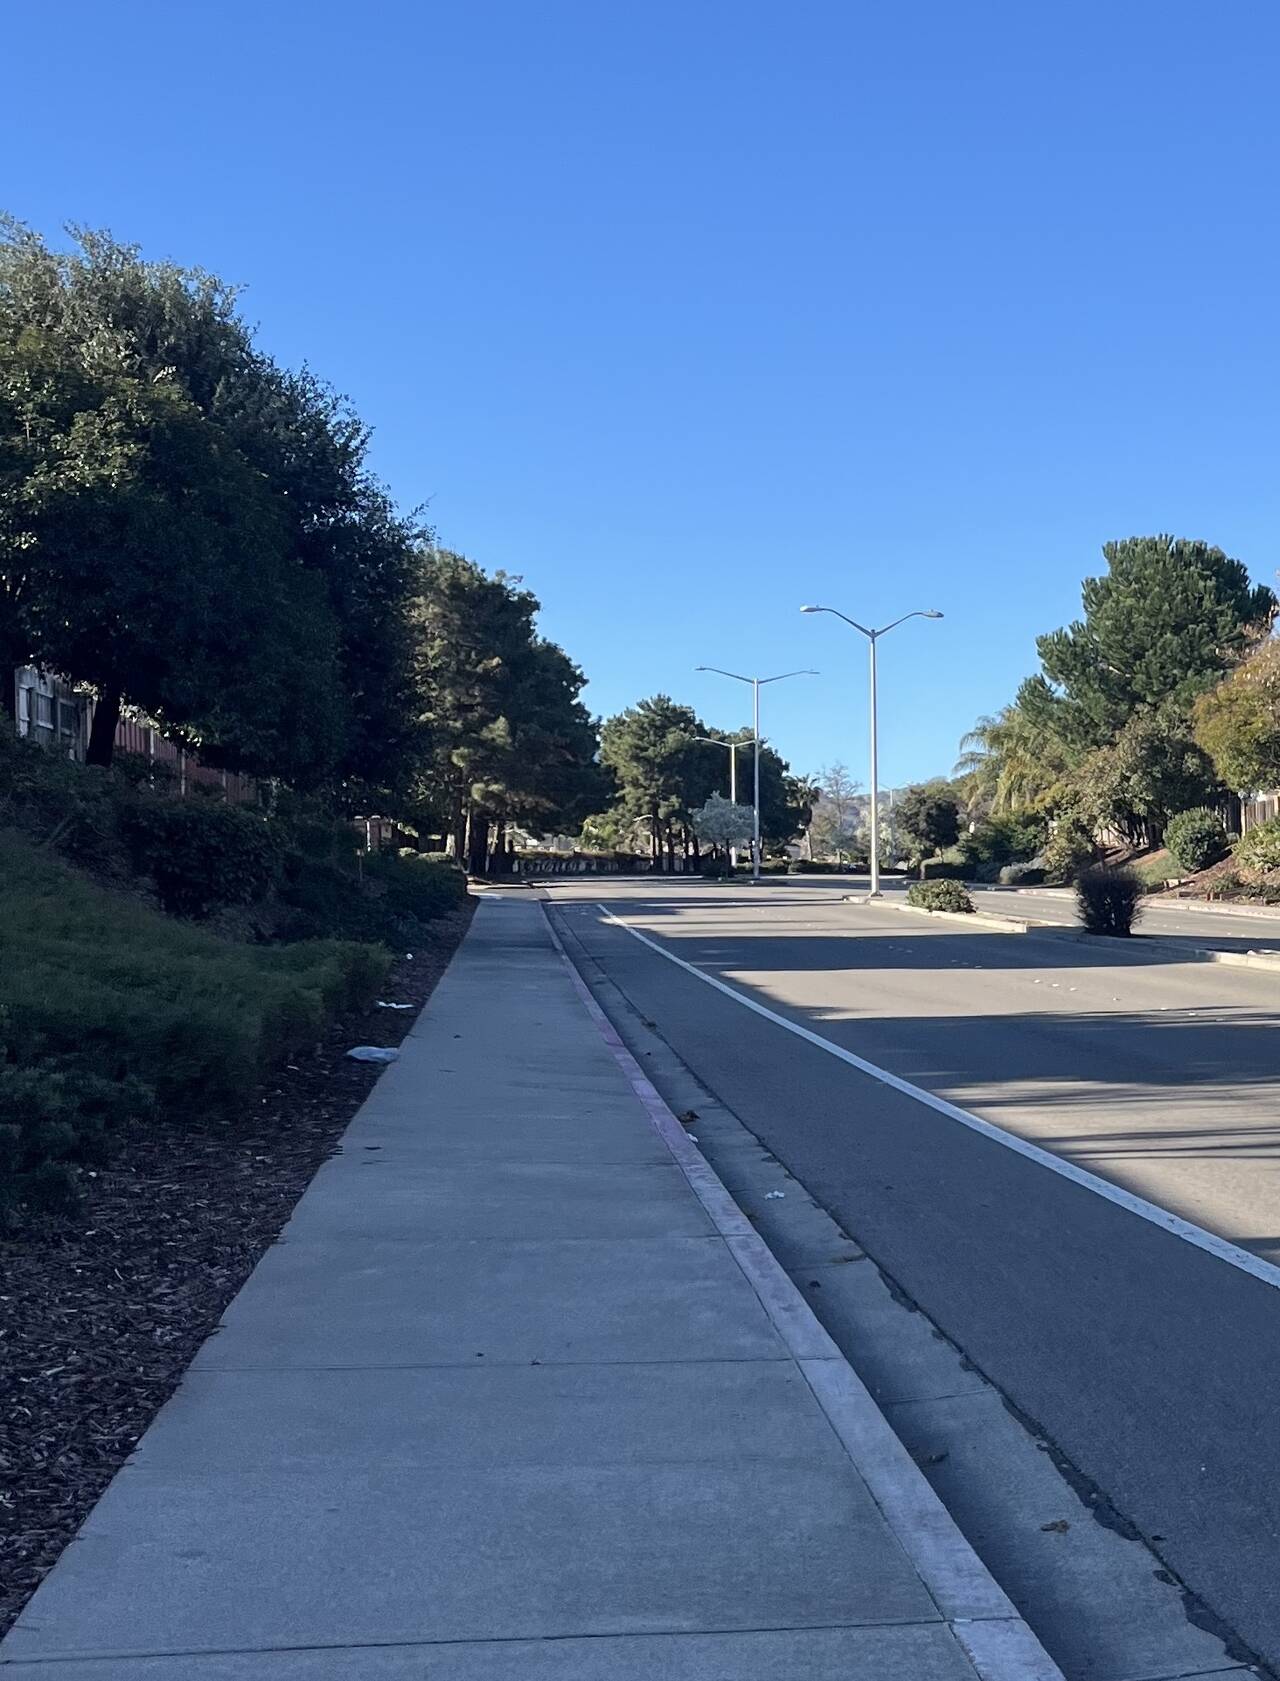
(951, 866)
(415, 889)
(1230, 884)
(111, 1012)
(1260, 848)
(201, 855)
(939, 896)
(1196, 839)
(1109, 899)
(816, 867)
(322, 900)
(63, 805)
(714, 866)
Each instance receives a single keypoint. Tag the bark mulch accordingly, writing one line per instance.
(100, 1317)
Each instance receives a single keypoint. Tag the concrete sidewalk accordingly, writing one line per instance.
(518, 1394)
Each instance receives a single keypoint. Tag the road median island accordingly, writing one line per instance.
(1079, 936)
(968, 919)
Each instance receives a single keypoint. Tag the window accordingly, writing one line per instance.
(44, 711)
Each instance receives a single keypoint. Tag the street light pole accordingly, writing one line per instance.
(757, 683)
(875, 777)
(755, 802)
(873, 636)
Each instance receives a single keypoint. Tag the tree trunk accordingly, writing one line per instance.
(671, 850)
(102, 734)
(478, 860)
(456, 833)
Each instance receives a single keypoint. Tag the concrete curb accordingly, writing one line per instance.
(984, 1621)
(1149, 942)
(968, 919)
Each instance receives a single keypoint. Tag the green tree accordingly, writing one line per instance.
(662, 774)
(500, 735)
(1164, 623)
(105, 356)
(1238, 723)
(927, 818)
(1151, 770)
(142, 555)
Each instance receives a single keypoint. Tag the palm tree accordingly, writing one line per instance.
(1010, 760)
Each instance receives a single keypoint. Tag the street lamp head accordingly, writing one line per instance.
(932, 613)
(811, 609)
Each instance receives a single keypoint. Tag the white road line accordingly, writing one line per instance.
(1257, 1268)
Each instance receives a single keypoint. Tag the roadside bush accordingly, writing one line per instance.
(939, 896)
(1022, 875)
(816, 867)
(714, 866)
(201, 855)
(111, 1012)
(322, 900)
(1002, 840)
(951, 866)
(1068, 850)
(1260, 848)
(1109, 899)
(63, 805)
(415, 889)
(1196, 839)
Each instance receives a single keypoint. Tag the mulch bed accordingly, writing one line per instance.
(99, 1318)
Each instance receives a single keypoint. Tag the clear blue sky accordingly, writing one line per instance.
(690, 311)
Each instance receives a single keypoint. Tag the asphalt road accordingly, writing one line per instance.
(1152, 1364)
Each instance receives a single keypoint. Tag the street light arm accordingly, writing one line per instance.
(840, 615)
(720, 672)
(920, 613)
(782, 674)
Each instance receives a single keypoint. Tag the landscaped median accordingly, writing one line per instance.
(947, 901)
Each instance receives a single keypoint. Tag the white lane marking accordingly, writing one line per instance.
(1257, 1268)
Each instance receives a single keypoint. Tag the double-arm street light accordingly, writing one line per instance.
(873, 636)
(757, 683)
(733, 746)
